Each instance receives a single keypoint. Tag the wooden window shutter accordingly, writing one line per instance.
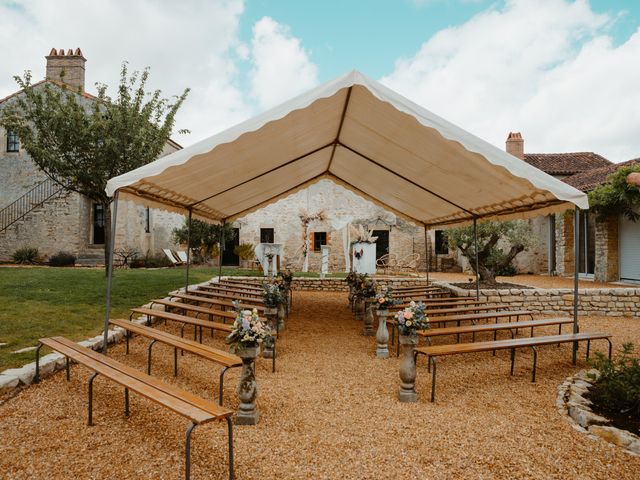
(328, 238)
(311, 245)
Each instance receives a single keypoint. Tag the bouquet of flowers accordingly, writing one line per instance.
(384, 299)
(367, 287)
(351, 278)
(412, 319)
(272, 294)
(286, 276)
(247, 330)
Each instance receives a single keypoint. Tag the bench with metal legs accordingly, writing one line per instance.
(196, 409)
(432, 352)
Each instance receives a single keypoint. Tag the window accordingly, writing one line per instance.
(98, 224)
(13, 142)
(147, 220)
(319, 239)
(266, 235)
(442, 246)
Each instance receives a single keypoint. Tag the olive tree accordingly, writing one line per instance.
(498, 245)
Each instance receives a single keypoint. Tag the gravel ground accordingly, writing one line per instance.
(329, 412)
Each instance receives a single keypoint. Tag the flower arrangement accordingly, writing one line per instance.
(412, 319)
(384, 299)
(351, 278)
(362, 235)
(286, 276)
(247, 330)
(366, 287)
(272, 293)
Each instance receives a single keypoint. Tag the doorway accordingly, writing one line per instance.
(382, 244)
(229, 257)
(98, 224)
(587, 250)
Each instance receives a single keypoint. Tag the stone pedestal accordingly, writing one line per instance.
(271, 314)
(358, 307)
(247, 388)
(382, 335)
(281, 315)
(407, 393)
(367, 330)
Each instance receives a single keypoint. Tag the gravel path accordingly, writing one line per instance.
(330, 412)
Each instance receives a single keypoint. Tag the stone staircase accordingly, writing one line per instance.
(92, 258)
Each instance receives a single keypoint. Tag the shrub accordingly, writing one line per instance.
(245, 251)
(63, 259)
(617, 389)
(26, 255)
(150, 261)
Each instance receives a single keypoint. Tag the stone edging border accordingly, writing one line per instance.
(575, 409)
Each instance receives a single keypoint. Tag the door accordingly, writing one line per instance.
(629, 249)
(98, 224)
(382, 244)
(587, 244)
(229, 258)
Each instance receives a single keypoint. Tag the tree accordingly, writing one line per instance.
(82, 143)
(493, 238)
(616, 196)
(205, 237)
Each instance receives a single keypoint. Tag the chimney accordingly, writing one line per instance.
(515, 145)
(67, 68)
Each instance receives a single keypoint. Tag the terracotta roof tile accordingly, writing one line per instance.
(590, 179)
(566, 163)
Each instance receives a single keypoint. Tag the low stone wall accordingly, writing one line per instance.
(612, 302)
(339, 285)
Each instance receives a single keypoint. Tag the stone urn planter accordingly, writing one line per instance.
(407, 393)
(358, 307)
(271, 314)
(247, 387)
(281, 316)
(382, 335)
(367, 330)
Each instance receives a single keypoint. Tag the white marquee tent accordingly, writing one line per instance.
(359, 134)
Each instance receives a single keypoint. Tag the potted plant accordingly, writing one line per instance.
(246, 253)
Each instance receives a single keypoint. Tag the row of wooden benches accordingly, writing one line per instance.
(197, 410)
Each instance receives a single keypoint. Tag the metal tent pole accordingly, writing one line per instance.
(112, 244)
(426, 252)
(576, 262)
(220, 250)
(475, 247)
(186, 282)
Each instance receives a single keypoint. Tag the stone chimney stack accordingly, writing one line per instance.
(515, 145)
(67, 68)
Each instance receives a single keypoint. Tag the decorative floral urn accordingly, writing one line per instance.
(247, 387)
(367, 330)
(382, 335)
(281, 315)
(407, 392)
(270, 313)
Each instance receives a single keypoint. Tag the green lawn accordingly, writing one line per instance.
(40, 301)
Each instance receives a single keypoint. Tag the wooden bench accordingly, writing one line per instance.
(444, 303)
(251, 283)
(197, 410)
(246, 288)
(435, 312)
(434, 351)
(187, 307)
(226, 359)
(216, 301)
(228, 296)
(229, 290)
(464, 300)
(198, 324)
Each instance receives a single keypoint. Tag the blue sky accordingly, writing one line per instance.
(563, 72)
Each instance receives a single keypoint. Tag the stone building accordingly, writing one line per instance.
(36, 212)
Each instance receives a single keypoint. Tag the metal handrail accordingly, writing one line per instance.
(28, 202)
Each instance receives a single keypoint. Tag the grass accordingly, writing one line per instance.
(41, 302)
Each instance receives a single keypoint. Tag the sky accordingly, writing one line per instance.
(564, 73)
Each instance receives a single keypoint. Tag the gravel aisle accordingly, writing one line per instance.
(330, 412)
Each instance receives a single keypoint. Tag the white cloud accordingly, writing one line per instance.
(543, 67)
(187, 44)
(281, 67)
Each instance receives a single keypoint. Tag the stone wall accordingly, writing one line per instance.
(339, 285)
(612, 302)
(607, 261)
(405, 238)
(564, 243)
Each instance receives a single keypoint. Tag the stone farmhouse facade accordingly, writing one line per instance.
(55, 220)
(609, 248)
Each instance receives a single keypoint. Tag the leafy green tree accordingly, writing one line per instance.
(616, 196)
(498, 245)
(81, 143)
(205, 237)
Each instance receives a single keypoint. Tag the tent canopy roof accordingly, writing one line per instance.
(362, 135)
